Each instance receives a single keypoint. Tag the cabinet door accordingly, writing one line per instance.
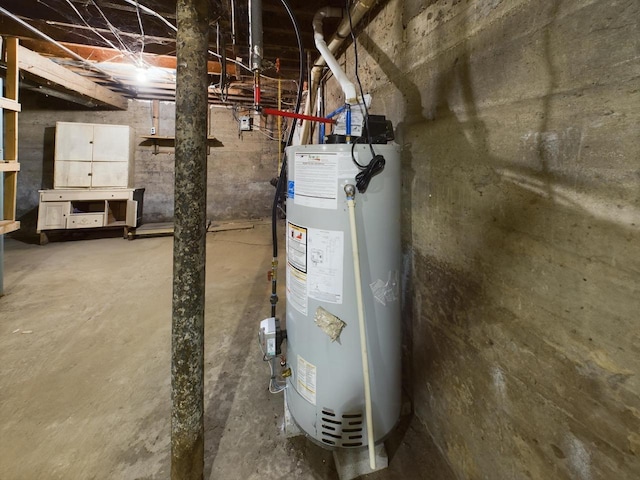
(52, 215)
(71, 174)
(109, 174)
(132, 213)
(74, 141)
(111, 143)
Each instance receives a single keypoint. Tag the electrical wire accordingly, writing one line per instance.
(357, 68)
(280, 387)
(149, 11)
(111, 28)
(269, 136)
(274, 381)
(377, 162)
(142, 40)
(142, 8)
(93, 29)
(283, 170)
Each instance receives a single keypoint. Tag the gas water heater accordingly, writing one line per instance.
(325, 391)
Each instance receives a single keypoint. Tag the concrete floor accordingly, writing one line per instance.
(85, 379)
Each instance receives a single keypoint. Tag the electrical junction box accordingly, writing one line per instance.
(246, 123)
(267, 336)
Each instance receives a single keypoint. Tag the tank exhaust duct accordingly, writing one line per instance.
(358, 11)
(347, 86)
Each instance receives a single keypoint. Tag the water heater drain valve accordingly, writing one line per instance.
(271, 337)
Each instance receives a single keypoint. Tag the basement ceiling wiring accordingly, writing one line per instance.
(141, 28)
(105, 34)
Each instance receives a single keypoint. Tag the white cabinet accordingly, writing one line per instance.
(53, 215)
(91, 155)
(74, 208)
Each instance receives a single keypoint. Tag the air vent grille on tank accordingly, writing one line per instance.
(345, 431)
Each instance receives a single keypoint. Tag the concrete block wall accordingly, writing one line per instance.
(238, 172)
(521, 227)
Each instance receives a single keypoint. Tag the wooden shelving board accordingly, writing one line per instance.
(8, 226)
(6, 166)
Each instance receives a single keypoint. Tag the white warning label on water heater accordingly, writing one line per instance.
(297, 246)
(306, 380)
(325, 252)
(297, 289)
(316, 180)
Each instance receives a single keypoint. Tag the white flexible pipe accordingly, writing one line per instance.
(358, 10)
(350, 190)
(347, 86)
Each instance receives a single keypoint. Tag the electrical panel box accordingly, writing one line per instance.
(246, 123)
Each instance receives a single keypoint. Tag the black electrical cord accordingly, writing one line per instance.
(374, 167)
(357, 68)
(283, 170)
(376, 164)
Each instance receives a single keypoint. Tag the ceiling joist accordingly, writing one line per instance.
(61, 77)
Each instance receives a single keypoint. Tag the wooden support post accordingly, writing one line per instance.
(187, 361)
(11, 130)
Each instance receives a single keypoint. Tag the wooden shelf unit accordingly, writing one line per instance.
(9, 165)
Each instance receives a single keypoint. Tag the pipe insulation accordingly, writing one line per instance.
(358, 11)
(348, 88)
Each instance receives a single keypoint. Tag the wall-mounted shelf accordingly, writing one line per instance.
(167, 141)
(162, 141)
(9, 166)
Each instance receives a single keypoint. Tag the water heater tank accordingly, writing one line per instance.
(325, 393)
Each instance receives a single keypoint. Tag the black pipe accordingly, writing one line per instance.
(282, 178)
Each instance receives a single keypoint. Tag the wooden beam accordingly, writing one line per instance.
(44, 68)
(60, 93)
(110, 55)
(12, 69)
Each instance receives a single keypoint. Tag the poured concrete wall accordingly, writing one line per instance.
(521, 227)
(238, 172)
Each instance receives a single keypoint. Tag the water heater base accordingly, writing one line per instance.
(352, 463)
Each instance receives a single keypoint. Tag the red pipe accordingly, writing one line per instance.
(299, 116)
(256, 95)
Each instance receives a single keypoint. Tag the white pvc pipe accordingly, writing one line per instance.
(358, 10)
(350, 191)
(347, 86)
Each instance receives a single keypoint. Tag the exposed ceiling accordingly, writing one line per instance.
(128, 46)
